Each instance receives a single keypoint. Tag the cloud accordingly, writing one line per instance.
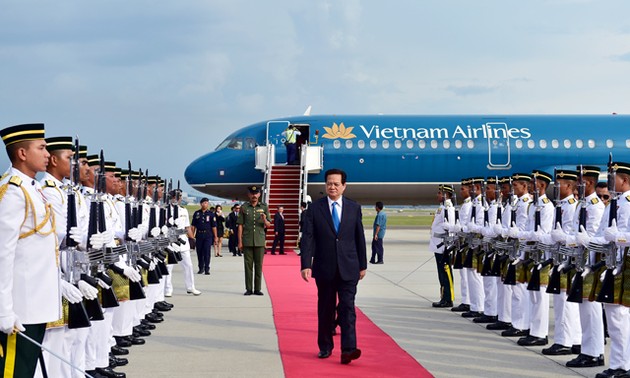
(470, 90)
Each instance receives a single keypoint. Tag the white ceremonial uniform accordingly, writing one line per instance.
(475, 283)
(520, 298)
(444, 214)
(490, 282)
(591, 314)
(504, 292)
(186, 262)
(30, 279)
(539, 300)
(464, 218)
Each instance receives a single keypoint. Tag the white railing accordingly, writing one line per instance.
(269, 162)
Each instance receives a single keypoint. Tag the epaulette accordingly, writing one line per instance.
(545, 200)
(628, 198)
(571, 201)
(15, 180)
(467, 200)
(594, 201)
(525, 199)
(50, 183)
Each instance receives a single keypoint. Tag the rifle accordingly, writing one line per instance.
(457, 259)
(532, 249)
(511, 245)
(471, 239)
(577, 255)
(554, 280)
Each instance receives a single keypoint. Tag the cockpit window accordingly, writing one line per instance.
(237, 144)
(250, 143)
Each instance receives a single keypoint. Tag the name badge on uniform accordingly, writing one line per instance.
(207, 218)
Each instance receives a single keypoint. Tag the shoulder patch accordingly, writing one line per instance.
(50, 183)
(15, 180)
(545, 200)
(467, 200)
(628, 198)
(571, 201)
(525, 199)
(595, 201)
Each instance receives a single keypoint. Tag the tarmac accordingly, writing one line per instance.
(222, 333)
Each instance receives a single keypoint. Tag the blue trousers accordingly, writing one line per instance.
(291, 153)
(204, 245)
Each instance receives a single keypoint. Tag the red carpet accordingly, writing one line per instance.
(295, 314)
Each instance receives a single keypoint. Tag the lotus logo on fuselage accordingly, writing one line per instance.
(338, 132)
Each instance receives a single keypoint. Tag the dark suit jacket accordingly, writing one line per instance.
(325, 251)
(278, 223)
(231, 222)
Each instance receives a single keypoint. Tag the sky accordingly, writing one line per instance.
(161, 83)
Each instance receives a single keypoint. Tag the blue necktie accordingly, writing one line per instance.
(335, 216)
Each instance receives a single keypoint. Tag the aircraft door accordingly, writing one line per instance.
(498, 145)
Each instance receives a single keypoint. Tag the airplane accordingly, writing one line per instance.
(400, 159)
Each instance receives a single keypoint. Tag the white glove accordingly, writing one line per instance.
(175, 247)
(164, 230)
(109, 237)
(446, 226)
(602, 276)
(88, 291)
(132, 274)
(488, 232)
(171, 221)
(611, 232)
(582, 237)
(102, 284)
(180, 223)
(516, 262)
(586, 272)
(152, 266)
(97, 240)
(143, 228)
(183, 238)
(70, 292)
(457, 227)
(76, 235)
(557, 235)
(498, 229)
(155, 232)
(135, 234)
(513, 232)
(10, 322)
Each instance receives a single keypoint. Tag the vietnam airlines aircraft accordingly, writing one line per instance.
(399, 159)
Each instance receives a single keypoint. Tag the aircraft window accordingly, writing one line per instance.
(470, 144)
(458, 144)
(372, 144)
(337, 144)
(250, 143)
(518, 144)
(567, 143)
(361, 144)
(236, 144)
(579, 143)
(223, 144)
(385, 144)
(422, 144)
(627, 143)
(609, 143)
(409, 143)
(348, 143)
(434, 144)
(542, 143)
(397, 143)
(555, 143)
(446, 143)
(591, 143)
(531, 144)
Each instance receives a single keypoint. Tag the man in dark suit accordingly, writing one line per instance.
(334, 254)
(230, 223)
(278, 229)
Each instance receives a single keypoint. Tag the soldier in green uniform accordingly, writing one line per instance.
(252, 220)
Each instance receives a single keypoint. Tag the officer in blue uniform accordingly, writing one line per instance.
(204, 226)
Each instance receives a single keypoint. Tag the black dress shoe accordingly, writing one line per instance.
(122, 342)
(556, 350)
(258, 292)
(109, 373)
(379, 262)
(141, 332)
(200, 271)
(207, 273)
(118, 351)
(135, 340)
(273, 253)
(576, 349)
(152, 318)
(146, 327)
(161, 307)
(442, 304)
(610, 373)
(483, 319)
(532, 341)
(147, 324)
(347, 357)
(461, 308)
(324, 354)
(499, 325)
(165, 303)
(94, 374)
(372, 262)
(584, 360)
(116, 361)
(157, 313)
(513, 332)
(471, 314)
(248, 292)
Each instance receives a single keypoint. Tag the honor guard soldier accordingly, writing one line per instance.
(204, 226)
(615, 232)
(464, 218)
(252, 221)
(472, 229)
(30, 293)
(443, 218)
